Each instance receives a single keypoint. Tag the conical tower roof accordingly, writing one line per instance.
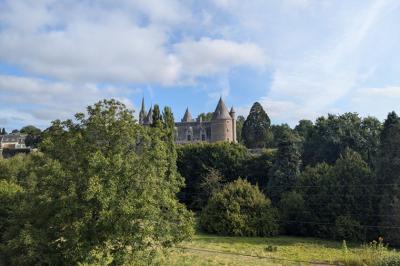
(149, 118)
(142, 113)
(187, 117)
(221, 112)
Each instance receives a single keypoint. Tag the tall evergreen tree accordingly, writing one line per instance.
(3, 131)
(255, 130)
(388, 175)
(283, 175)
(157, 118)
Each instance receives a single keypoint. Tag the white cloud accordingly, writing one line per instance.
(99, 42)
(211, 56)
(313, 83)
(38, 101)
(375, 101)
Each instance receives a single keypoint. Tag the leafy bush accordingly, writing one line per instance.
(239, 209)
(195, 161)
(347, 228)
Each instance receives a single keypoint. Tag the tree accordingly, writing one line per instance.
(371, 129)
(239, 127)
(3, 131)
(332, 135)
(30, 130)
(195, 161)
(239, 209)
(257, 166)
(304, 128)
(33, 137)
(279, 132)
(157, 118)
(388, 175)
(169, 122)
(206, 116)
(209, 184)
(103, 192)
(283, 175)
(255, 130)
(338, 199)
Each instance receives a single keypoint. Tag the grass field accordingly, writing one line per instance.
(216, 250)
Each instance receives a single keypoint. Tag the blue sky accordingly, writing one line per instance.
(299, 58)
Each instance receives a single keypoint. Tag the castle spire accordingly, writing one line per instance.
(149, 118)
(142, 113)
(187, 117)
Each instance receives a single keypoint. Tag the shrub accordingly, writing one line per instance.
(347, 228)
(239, 209)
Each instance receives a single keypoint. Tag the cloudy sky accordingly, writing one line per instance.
(299, 58)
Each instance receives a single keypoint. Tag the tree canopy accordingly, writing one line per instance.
(255, 132)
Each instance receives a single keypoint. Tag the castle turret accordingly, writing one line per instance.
(221, 124)
(187, 117)
(149, 117)
(233, 115)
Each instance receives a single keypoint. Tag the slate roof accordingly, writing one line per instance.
(12, 138)
(221, 112)
(149, 118)
(187, 117)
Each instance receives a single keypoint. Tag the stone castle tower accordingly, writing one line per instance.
(222, 126)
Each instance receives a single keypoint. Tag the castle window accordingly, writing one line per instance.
(203, 137)
(189, 137)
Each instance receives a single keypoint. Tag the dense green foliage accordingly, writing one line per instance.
(34, 136)
(335, 178)
(332, 201)
(102, 192)
(388, 174)
(239, 209)
(206, 116)
(286, 169)
(255, 131)
(239, 127)
(332, 135)
(195, 161)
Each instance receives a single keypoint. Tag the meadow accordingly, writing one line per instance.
(281, 250)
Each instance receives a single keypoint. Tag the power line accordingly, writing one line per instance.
(254, 256)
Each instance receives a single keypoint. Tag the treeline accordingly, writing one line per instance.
(337, 177)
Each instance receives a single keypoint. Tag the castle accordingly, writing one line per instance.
(222, 126)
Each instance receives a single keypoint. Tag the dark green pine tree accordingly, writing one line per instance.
(388, 175)
(255, 130)
(3, 131)
(283, 175)
(157, 118)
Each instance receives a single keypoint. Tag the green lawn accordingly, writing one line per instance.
(217, 250)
